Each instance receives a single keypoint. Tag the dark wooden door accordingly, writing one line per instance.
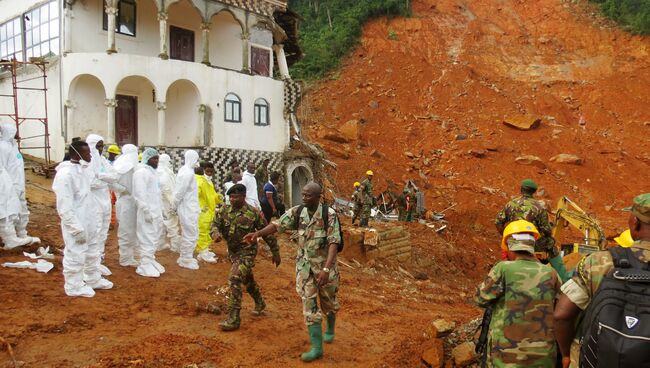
(260, 61)
(181, 44)
(126, 120)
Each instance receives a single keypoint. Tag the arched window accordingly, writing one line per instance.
(232, 110)
(262, 112)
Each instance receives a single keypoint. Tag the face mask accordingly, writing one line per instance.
(84, 163)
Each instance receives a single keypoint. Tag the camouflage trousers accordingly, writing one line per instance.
(401, 213)
(241, 272)
(311, 293)
(365, 213)
(356, 212)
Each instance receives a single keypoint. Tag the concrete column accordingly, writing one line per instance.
(67, 29)
(202, 123)
(278, 49)
(162, 20)
(161, 107)
(111, 12)
(205, 31)
(69, 116)
(246, 38)
(110, 104)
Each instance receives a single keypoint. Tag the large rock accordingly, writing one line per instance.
(350, 130)
(464, 354)
(531, 160)
(442, 326)
(336, 151)
(335, 137)
(565, 158)
(522, 122)
(433, 354)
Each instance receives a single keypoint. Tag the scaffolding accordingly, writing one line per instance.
(17, 86)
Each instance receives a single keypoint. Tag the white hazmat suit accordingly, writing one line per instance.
(12, 161)
(102, 175)
(9, 210)
(170, 237)
(186, 204)
(148, 198)
(76, 207)
(125, 165)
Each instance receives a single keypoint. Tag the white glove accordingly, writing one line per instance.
(80, 237)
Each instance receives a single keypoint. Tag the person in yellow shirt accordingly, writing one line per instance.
(208, 200)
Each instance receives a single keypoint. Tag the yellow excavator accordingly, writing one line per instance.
(593, 237)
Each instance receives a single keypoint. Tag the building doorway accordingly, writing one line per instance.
(299, 178)
(181, 44)
(126, 120)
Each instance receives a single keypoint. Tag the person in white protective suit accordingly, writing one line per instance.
(186, 205)
(125, 207)
(102, 175)
(12, 160)
(148, 199)
(78, 213)
(9, 210)
(249, 181)
(169, 234)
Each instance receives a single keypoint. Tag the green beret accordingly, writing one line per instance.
(529, 183)
(237, 189)
(641, 207)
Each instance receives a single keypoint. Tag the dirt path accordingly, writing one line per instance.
(155, 323)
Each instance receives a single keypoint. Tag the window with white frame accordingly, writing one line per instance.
(232, 110)
(11, 40)
(41, 26)
(261, 112)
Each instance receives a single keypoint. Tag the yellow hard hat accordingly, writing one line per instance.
(356, 184)
(625, 239)
(114, 149)
(140, 156)
(369, 172)
(518, 227)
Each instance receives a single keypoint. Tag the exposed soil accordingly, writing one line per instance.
(456, 68)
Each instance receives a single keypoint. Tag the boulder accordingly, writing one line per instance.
(350, 130)
(530, 160)
(522, 122)
(335, 137)
(338, 152)
(464, 354)
(377, 154)
(433, 354)
(461, 137)
(478, 153)
(565, 158)
(443, 326)
(373, 104)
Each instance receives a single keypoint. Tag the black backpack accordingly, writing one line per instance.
(616, 326)
(325, 215)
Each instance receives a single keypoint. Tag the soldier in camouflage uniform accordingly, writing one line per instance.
(589, 274)
(357, 201)
(522, 293)
(317, 276)
(529, 209)
(233, 222)
(368, 199)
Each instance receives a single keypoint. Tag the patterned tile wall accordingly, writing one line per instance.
(221, 158)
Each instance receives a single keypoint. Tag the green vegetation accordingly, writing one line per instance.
(633, 15)
(330, 28)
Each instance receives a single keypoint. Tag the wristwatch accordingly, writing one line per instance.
(325, 269)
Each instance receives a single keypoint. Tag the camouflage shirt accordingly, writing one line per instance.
(592, 269)
(357, 197)
(523, 294)
(526, 208)
(233, 224)
(366, 189)
(314, 237)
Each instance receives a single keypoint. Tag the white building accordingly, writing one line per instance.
(173, 74)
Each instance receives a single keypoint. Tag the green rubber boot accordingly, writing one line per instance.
(329, 333)
(232, 322)
(316, 337)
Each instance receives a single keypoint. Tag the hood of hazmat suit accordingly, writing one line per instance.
(10, 157)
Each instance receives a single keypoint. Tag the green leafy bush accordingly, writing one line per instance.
(633, 15)
(330, 28)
